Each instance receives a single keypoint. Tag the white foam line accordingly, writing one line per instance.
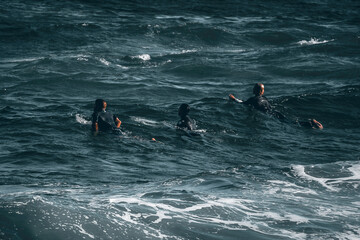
(300, 171)
(157, 234)
(84, 232)
(126, 217)
(220, 203)
(198, 207)
(249, 19)
(183, 52)
(296, 218)
(103, 60)
(169, 17)
(290, 188)
(299, 191)
(161, 215)
(287, 184)
(162, 210)
(294, 235)
(156, 206)
(313, 41)
(121, 66)
(144, 57)
(236, 203)
(355, 170)
(276, 216)
(141, 227)
(226, 224)
(21, 60)
(200, 130)
(145, 121)
(352, 234)
(82, 59)
(242, 225)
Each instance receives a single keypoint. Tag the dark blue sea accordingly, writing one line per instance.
(244, 174)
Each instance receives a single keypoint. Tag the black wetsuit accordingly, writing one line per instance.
(308, 124)
(105, 120)
(262, 104)
(185, 122)
(259, 102)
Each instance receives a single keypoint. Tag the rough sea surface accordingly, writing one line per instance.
(246, 176)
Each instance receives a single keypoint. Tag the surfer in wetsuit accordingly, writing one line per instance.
(261, 103)
(102, 120)
(310, 123)
(185, 121)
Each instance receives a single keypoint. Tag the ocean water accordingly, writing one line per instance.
(246, 176)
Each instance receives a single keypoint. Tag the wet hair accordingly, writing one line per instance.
(258, 88)
(184, 109)
(99, 105)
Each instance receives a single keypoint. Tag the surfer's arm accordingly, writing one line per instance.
(118, 122)
(233, 98)
(95, 124)
(95, 128)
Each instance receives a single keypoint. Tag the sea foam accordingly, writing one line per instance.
(80, 119)
(144, 57)
(353, 169)
(314, 41)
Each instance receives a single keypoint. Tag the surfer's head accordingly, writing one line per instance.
(315, 124)
(100, 104)
(184, 109)
(258, 89)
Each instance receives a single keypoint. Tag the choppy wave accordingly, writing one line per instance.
(242, 175)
